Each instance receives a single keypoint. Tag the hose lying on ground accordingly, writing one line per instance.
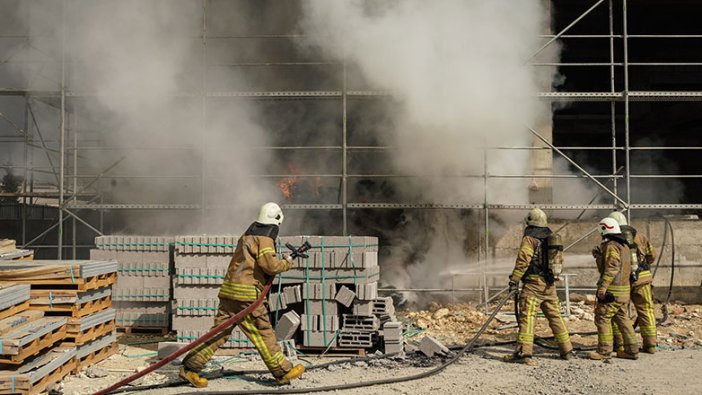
(212, 332)
(394, 380)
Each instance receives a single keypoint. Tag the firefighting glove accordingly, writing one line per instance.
(601, 292)
(513, 286)
(289, 262)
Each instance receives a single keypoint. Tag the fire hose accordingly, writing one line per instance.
(213, 332)
(467, 348)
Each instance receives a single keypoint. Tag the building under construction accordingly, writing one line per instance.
(434, 129)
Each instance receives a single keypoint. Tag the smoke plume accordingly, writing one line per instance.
(458, 75)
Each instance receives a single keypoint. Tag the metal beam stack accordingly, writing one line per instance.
(200, 265)
(143, 291)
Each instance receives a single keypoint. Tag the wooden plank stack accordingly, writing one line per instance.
(31, 357)
(70, 302)
(142, 293)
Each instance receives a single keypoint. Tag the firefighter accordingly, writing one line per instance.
(641, 294)
(614, 265)
(539, 290)
(253, 261)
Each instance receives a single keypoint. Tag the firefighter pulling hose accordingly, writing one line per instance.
(242, 301)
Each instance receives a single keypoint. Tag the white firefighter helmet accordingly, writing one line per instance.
(536, 217)
(609, 226)
(619, 217)
(270, 214)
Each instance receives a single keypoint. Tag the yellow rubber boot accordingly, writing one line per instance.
(294, 373)
(193, 378)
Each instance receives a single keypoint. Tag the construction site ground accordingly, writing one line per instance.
(674, 369)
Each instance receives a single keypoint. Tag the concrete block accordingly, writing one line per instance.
(141, 294)
(181, 323)
(293, 294)
(339, 276)
(319, 339)
(363, 308)
(167, 348)
(392, 332)
(430, 347)
(276, 301)
(384, 306)
(142, 307)
(183, 261)
(321, 307)
(236, 340)
(196, 307)
(361, 323)
(367, 291)
(200, 276)
(287, 326)
(352, 339)
(345, 296)
(319, 291)
(318, 323)
(141, 320)
(218, 261)
(196, 292)
(394, 348)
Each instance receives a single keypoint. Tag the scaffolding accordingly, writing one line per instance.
(72, 186)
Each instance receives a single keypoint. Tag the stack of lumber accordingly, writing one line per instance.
(76, 293)
(143, 290)
(9, 251)
(31, 355)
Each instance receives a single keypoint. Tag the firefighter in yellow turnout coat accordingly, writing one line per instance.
(614, 265)
(253, 261)
(538, 291)
(641, 295)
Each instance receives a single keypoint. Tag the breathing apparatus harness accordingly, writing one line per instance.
(547, 260)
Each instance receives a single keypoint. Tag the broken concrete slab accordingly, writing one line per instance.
(429, 346)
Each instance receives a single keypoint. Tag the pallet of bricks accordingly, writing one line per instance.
(143, 290)
(200, 265)
(55, 318)
(330, 301)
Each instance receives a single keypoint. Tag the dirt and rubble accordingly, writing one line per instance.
(671, 370)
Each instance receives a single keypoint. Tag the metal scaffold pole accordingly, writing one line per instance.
(627, 142)
(62, 131)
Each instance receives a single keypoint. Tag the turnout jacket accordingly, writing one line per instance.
(647, 256)
(254, 260)
(614, 265)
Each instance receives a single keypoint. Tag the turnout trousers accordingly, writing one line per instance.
(536, 294)
(614, 314)
(256, 326)
(642, 298)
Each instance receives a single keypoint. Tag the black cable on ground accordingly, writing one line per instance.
(393, 380)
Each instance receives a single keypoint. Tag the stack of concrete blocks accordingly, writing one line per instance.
(330, 300)
(201, 263)
(142, 293)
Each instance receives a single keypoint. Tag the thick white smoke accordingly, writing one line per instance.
(136, 80)
(459, 72)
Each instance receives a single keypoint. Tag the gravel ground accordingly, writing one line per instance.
(673, 372)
